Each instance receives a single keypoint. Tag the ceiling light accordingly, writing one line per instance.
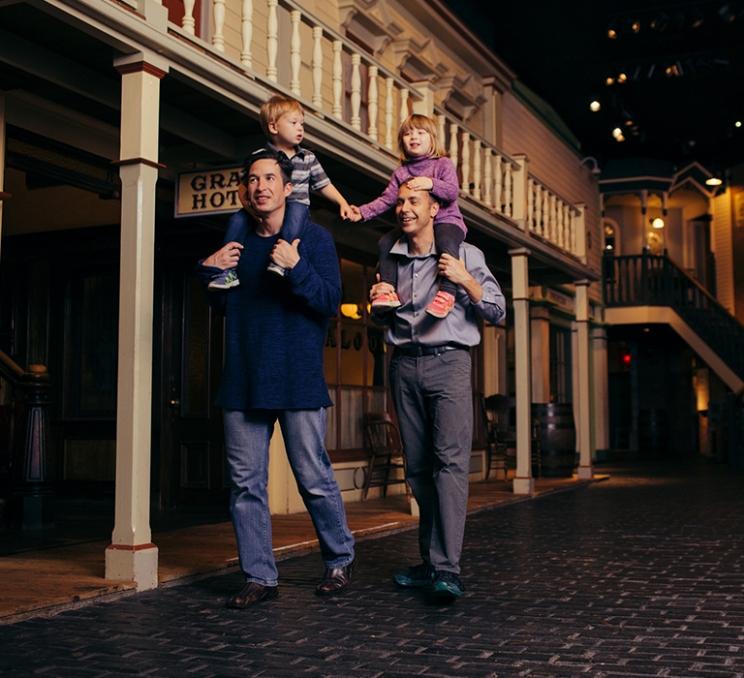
(713, 181)
(609, 80)
(594, 106)
(617, 132)
(737, 123)
(657, 223)
(622, 77)
(350, 311)
(635, 26)
(611, 33)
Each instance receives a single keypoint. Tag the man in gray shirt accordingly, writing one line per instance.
(431, 384)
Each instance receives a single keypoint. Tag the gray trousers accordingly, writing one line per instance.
(434, 402)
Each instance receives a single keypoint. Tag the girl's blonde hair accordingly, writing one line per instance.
(424, 122)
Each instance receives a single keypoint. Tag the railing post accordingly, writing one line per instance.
(519, 191)
(246, 34)
(337, 76)
(578, 226)
(33, 497)
(295, 45)
(318, 67)
(218, 39)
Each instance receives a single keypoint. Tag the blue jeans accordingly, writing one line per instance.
(247, 436)
(294, 219)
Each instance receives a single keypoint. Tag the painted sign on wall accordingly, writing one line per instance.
(211, 191)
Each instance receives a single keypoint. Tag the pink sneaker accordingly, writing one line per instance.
(386, 300)
(441, 304)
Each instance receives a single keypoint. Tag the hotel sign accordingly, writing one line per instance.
(210, 191)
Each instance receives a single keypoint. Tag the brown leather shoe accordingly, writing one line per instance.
(335, 580)
(251, 594)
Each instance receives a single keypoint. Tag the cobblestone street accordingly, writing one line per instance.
(642, 575)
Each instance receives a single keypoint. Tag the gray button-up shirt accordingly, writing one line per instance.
(417, 285)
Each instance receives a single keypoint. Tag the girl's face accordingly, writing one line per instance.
(416, 143)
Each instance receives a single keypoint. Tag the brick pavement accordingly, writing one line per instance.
(639, 576)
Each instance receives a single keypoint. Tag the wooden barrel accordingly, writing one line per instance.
(556, 439)
(653, 432)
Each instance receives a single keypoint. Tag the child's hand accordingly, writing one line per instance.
(355, 214)
(420, 184)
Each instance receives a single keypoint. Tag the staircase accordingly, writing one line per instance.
(654, 280)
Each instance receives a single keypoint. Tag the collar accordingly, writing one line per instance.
(401, 247)
(299, 150)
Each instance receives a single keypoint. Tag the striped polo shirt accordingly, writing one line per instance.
(307, 173)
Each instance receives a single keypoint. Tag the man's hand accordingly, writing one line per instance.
(225, 257)
(454, 270)
(380, 288)
(420, 184)
(286, 255)
(346, 212)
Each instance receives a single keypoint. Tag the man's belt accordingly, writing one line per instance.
(417, 350)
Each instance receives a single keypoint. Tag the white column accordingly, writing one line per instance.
(318, 67)
(372, 102)
(188, 23)
(389, 82)
(272, 39)
(3, 194)
(246, 33)
(403, 115)
(337, 79)
(453, 144)
(131, 555)
(600, 392)
(218, 39)
(523, 481)
(465, 166)
(581, 360)
(520, 177)
(356, 91)
(295, 45)
(579, 231)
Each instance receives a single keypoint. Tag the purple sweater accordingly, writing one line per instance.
(446, 189)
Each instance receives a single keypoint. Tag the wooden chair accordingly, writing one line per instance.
(385, 453)
(501, 436)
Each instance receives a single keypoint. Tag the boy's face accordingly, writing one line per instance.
(289, 129)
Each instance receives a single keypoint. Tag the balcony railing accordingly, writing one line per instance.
(334, 77)
(651, 280)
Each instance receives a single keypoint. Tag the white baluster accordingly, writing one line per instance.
(317, 67)
(498, 192)
(488, 177)
(356, 91)
(441, 130)
(465, 141)
(453, 144)
(246, 31)
(272, 39)
(508, 182)
(389, 113)
(403, 104)
(530, 205)
(546, 213)
(552, 235)
(295, 16)
(188, 23)
(218, 39)
(559, 221)
(567, 224)
(538, 209)
(574, 235)
(477, 169)
(372, 102)
(337, 79)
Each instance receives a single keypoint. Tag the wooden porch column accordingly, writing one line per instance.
(581, 360)
(131, 555)
(523, 481)
(540, 362)
(600, 391)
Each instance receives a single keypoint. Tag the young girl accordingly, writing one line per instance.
(423, 167)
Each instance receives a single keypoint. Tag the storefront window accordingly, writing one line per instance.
(354, 363)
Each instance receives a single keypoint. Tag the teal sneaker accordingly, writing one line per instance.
(446, 587)
(224, 280)
(417, 576)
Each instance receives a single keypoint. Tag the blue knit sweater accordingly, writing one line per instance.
(276, 327)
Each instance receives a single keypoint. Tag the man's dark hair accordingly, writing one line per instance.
(279, 157)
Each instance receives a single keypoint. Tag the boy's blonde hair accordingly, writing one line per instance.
(424, 122)
(275, 108)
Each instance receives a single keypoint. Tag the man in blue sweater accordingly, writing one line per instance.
(275, 330)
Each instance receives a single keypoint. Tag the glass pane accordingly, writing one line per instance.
(195, 375)
(352, 404)
(353, 352)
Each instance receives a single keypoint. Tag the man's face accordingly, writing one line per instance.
(415, 211)
(266, 192)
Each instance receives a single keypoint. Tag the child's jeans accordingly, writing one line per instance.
(294, 219)
(447, 238)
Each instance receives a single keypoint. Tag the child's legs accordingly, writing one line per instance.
(237, 227)
(388, 265)
(295, 216)
(448, 238)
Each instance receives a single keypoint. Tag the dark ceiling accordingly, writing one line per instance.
(683, 64)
